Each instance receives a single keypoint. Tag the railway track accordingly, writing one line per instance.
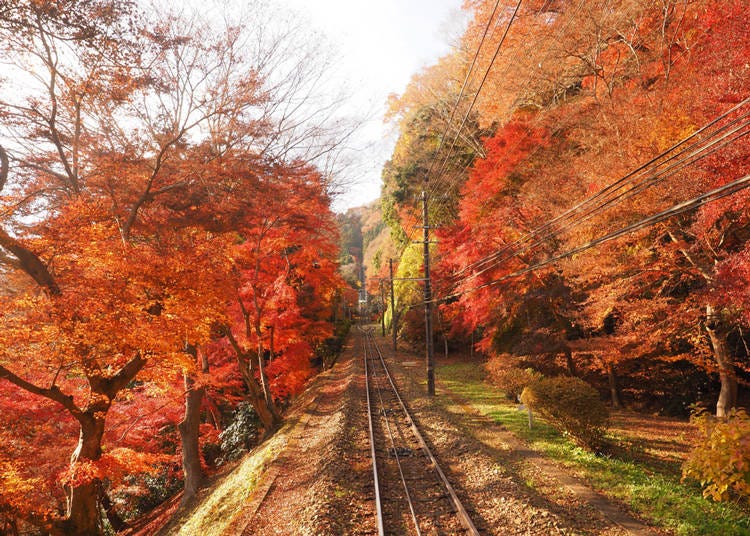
(412, 494)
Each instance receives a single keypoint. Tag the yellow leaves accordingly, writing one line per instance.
(18, 491)
(721, 458)
(12, 483)
(668, 127)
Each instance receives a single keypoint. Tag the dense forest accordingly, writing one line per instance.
(585, 165)
(169, 256)
(172, 273)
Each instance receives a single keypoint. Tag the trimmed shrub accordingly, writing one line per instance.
(721, 458)
(510, 380)
(572, 406)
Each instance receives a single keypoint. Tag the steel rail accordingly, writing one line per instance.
(378, 504)
(461, 512)
(394, 449)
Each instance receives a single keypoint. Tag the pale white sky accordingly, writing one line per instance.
(382, 43)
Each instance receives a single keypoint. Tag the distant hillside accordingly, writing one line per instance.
(351, 245)
(377, 241)
(365, 242)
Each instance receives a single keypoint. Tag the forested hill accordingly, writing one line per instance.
(173, 274)
(586, 168)
(365, 242)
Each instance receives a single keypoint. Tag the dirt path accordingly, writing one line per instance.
(321, 483)
(300, 492)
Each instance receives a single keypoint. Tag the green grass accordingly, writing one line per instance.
(657, 496)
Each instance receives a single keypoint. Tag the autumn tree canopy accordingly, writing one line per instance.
(163, 211)
(592, 117)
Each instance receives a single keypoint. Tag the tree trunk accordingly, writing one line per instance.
(268, 418)
(266, 391)
(614, 389)
(82, 512)
(271, 345)
(718, 336)
(210, 404)
(442, 332)
(10, 527)
(570, 363)
(189, 429)
(263, 376)
(82, 509)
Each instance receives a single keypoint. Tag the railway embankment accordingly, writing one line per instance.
(315, 476)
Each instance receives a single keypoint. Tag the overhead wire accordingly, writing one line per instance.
(461, 92)
(463, 86)
(680, 208)
(573, 217)
(566, 219)
(476, 95)
(454, 180)
(479, 89)
(626, 195)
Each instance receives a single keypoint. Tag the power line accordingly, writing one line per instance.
(686, 206)
(484, 79)
(476, 95)
(478, 91)
(571, 218)
(463, 87)
(494, 260)
(453, 182)
(461, 93)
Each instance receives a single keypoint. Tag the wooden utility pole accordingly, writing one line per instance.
(382, 313)
(394, 329)
(430, 358)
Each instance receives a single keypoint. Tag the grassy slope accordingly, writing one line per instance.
(223, 502)
(654, 494)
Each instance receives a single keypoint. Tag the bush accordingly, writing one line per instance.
(721, 458)
(241, 434)
(572, 406)
(510, 380)
(142, 492)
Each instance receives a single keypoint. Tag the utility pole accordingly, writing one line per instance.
(428, 299)
(393, 308)
(382, 313)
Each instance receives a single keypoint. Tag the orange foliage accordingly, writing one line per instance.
(578, 97)
(154, 210)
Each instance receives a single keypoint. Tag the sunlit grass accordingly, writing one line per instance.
(227, 499)
(655, 495)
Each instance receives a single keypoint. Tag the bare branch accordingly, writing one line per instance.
(53, 393)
